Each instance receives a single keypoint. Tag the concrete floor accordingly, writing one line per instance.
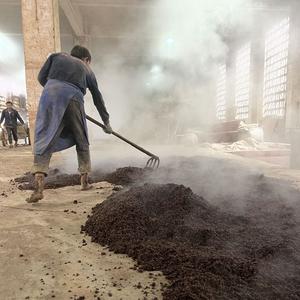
(42, 253)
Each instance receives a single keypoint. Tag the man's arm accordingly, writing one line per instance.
(19, 118)
(43, 74)
(97, 97)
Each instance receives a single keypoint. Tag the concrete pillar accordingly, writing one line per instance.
(293, 96)
(40, 19)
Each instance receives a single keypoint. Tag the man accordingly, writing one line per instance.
(60, 120)
(11, 117)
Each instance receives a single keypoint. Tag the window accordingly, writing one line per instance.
(276, 69)
(221, 93)
(242, 82)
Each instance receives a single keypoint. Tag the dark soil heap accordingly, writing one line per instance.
(56, 179)
(203, 252)
(127, 175)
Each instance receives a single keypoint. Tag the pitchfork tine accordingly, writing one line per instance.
(149, 163)
(153, 162)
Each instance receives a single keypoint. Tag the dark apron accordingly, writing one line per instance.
(54, 100)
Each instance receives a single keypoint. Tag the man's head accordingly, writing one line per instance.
(9, 104)
(81, 53)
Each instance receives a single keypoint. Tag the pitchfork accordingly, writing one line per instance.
(153, 161)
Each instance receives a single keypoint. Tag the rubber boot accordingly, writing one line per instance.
(84, 181)
(39, 182)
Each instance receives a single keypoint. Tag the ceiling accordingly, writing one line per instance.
(112, 17)
(117, 29)
(113, 24)
(109, 18)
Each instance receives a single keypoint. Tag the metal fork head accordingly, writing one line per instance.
(153, 162)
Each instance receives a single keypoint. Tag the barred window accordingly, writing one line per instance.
(276, 69)
(242, 82)
(221, 93)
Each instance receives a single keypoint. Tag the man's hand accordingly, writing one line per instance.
(107, 129)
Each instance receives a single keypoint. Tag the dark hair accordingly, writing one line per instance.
(81, 52)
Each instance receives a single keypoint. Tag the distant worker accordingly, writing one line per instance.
(60, 119)
(10, 117)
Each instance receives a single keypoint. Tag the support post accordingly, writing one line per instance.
(40, 19)
(293, 96)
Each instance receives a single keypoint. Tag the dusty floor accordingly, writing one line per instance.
(42, 253)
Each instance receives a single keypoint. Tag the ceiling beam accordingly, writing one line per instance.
(262, 5)
(74, 17)
(121, 37)
(113, 4)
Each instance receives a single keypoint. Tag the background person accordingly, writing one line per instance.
(10, 116)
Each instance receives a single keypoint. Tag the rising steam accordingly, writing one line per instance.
(171, 85)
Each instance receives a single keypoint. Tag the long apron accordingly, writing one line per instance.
(54, 100)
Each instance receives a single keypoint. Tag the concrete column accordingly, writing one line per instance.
(293, 96)
(40, 20)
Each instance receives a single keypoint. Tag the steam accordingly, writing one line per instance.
(161, 80)
(163, 76)
(193, 31)
(171, 84)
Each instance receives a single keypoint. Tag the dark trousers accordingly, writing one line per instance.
(71, 124)
(12, 133)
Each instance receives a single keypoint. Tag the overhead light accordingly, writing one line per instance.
(156, 69)
(170, 41)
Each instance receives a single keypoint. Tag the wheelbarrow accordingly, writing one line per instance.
(153, 162)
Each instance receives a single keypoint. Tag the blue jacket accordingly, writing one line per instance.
(66, 68)
(11, 118)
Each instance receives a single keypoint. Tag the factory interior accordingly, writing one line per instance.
(184, 182)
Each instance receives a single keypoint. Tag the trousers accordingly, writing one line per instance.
(71, 125)
(12, 133)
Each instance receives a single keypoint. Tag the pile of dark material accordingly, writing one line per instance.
(127, 175)
(242, 242)
(56, 179)
(204, 252)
